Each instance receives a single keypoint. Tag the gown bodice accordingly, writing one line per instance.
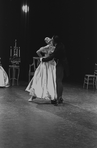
(49, 50)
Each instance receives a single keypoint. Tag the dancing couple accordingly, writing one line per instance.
(47, 80)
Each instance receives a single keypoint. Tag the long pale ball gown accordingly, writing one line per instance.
(4, 80)
(43, 83)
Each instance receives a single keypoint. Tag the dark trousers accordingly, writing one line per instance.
(59, 78)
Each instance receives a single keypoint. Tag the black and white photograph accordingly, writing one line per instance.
(48, 74)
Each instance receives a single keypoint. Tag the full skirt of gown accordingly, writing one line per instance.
(43, 83)
(4, 81)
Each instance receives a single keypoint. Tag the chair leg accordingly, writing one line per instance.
(83, 82)
(87, 86)
(93, 83)
(87, 83)
(96, 84)
(29, 78)
(83, 85)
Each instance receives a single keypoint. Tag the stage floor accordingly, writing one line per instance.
(39, 124)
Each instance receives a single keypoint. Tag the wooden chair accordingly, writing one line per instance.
(33, 66)
(90, 79)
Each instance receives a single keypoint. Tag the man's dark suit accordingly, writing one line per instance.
(59, 56)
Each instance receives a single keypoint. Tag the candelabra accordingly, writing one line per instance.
(14, 68)
(15, 54)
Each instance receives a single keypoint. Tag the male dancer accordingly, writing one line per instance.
(59, 56)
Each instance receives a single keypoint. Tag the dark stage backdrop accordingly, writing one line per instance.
(73, 21)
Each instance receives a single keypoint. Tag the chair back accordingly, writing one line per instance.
(33, 66)
(95, 69)
(35, 62)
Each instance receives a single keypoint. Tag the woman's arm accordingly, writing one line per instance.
(51, 56)
(39, 54)
(42, 49)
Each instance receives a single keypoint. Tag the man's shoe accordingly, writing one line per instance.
(52, 101)
(55, 102)
(60, 100)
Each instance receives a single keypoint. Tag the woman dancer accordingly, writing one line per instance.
(4, 81)
(43, 83)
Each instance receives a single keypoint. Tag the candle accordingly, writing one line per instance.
(15, 43)
(17, 52)
(10, 51)
(14, 50)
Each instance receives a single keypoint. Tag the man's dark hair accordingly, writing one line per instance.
(56, 39)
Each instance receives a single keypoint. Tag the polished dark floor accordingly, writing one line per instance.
(39, 124)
